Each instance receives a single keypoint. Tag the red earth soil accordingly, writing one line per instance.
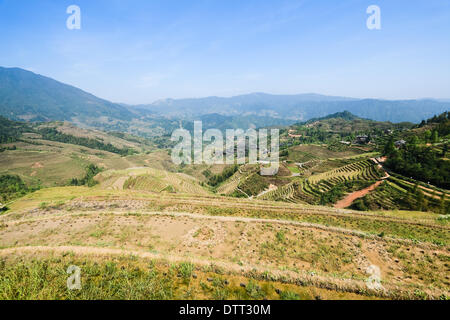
(348, 200)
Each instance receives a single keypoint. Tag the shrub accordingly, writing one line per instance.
(289, 295)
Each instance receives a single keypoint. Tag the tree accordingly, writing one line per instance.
(434, 136)
(444, 149)
(427, 134)
(389, 148)
(414, 140)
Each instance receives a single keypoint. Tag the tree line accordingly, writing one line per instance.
(419, 162)
(12, 186)
(10, 131)
(54, 135)
(215, 180)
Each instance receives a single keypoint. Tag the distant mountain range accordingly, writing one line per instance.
(25, 95)
(301, 107)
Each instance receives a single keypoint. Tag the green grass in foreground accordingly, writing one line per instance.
(128, 278)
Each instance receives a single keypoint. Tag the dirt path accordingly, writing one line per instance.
(348, 200)
(254, 204)
(118, 185)
(247, 220)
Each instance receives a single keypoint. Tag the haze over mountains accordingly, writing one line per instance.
(302, 107)
(25, 95)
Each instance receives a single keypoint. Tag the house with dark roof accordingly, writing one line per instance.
(400, 143)
(362, 139)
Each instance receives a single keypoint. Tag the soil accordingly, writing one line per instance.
(348, 200)
(37, 165)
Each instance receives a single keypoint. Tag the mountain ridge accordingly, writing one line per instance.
(25, 95)
(301, 107)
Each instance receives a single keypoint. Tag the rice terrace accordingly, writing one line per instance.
(194, 232)
(310, 197)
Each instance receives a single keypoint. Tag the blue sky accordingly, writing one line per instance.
(138, 51)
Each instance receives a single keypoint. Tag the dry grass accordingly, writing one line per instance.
(279, 238)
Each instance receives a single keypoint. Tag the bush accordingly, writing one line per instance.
(12, 186)
(217, 179)
(289, 295)
(359, 205)
(88, 180)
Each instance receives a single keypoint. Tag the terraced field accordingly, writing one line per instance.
(232, 184)
(307, 167)
(237, 248)
(311, 189)
(148, 179)
(305, 153)
(148, 231)
(364, 170)
(398, 193)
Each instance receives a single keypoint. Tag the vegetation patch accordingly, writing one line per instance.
(88, 179)
(12, 186)
(53, 134)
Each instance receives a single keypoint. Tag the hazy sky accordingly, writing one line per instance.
(138, 51)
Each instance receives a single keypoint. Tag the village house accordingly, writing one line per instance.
(294, 134)
(362, 139)
(400, 143)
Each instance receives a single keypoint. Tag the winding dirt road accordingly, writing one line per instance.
(348, 200)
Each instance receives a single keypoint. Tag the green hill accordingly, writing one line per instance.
(27, 96)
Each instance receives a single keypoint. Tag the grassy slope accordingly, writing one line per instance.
(124, 277)
(51, 163)
(289, 241)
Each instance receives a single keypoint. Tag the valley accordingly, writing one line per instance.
(115, 205)
(225, 159)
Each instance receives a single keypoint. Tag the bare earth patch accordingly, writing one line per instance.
(37, 165)
(349, 199)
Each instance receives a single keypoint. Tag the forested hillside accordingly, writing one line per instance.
(10, 131)
(424, 156)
